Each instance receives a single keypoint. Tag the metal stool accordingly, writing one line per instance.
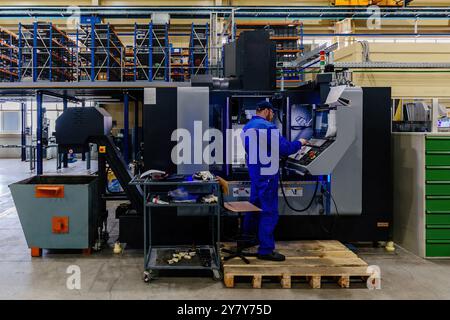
(240, 207)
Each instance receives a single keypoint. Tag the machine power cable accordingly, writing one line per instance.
(331, 231)
(307, 207)
(334, 202)
(290, 206)
(333, 226)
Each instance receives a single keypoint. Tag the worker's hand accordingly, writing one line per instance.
(304, 142)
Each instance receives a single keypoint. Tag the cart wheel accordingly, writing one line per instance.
(217, 275)
(147, 276)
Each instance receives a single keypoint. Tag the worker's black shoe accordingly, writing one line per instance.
(274, 256)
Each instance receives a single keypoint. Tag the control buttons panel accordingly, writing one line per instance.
(311, 151)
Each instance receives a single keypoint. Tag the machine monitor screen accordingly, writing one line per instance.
(307, 123)
(321, 124)
(301, 122)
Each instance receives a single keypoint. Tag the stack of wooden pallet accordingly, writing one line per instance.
(311, 260)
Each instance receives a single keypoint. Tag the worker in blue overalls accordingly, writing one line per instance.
(264, 186)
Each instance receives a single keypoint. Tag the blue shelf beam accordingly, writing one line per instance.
(108, 49)
(92, 49)
(167, 53)
(136, 129)
(19, 64)
(51, 51)
(134, 52)
(23, 137)
(150, 52)
(302, 49)
(126, 102)
(199, 49)
(40, 119)
(35, 47)
(207, 48)
(65, 159)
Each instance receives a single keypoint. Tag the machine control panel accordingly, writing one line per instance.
(311, 151)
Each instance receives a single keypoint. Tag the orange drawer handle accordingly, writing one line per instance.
(49, 191)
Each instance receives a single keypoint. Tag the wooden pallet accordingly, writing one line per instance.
(314, 261)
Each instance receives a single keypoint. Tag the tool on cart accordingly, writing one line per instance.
(154, 174)
(203, 175)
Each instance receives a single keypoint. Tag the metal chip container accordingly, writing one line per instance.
(57, 212)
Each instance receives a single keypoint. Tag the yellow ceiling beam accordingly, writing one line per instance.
(430, 3)
(278, 3)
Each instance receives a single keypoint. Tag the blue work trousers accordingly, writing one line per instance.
(264, 195)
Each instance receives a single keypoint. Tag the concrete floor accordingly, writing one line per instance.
(108, 276)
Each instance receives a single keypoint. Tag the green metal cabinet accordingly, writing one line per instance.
(437, 195)
(421, 165)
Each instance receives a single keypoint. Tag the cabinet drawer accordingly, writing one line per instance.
(437, 173)
(438, 248)
(437, 143)
(437, 158)
(437, 188)
(437, 203)
(436, 217)
(438, 232)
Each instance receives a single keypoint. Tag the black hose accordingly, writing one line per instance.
(290, 206)
(332, 198)
(333, 226)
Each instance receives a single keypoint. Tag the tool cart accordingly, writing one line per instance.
(202, 257)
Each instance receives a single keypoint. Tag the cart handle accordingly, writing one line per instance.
(49, 191)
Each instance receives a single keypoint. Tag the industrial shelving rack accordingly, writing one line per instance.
(101, 53)
(45, 53)
(151, 52)
(142, 58)
(154, 256)
(160, 52)
(198, 49)
(128, 70)
(179, 64)
(25, 53)
(8, 56)
(288, 37)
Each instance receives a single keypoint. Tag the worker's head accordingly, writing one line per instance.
(264, 109)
